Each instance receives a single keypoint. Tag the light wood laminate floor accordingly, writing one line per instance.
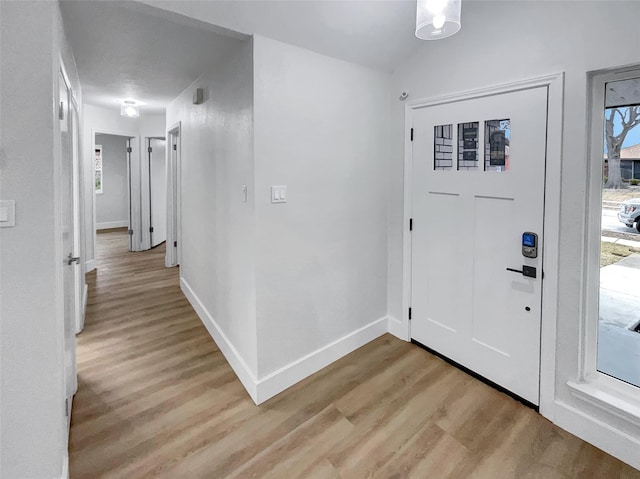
(157, 399)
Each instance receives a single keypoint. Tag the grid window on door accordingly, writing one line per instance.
(468, 146)
(497, 136)
(443, 147)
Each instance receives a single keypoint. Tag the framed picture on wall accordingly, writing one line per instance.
(98, 170)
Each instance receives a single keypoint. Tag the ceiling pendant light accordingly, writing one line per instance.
(437, 19)
(129, 108)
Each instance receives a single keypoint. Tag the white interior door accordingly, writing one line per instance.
(158, 190)
(70, 259)
(477, 186)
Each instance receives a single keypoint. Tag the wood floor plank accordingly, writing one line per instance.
(156, 399)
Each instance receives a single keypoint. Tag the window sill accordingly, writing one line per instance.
(608, 398)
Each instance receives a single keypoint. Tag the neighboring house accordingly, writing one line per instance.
(629, 162)
(330, 126)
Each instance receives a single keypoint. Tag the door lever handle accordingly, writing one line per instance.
(73, 259)
(528, 271)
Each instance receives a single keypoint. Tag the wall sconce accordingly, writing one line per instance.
(129, 108)
(436, 19)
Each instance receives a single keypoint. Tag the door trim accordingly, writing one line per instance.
(551, 220)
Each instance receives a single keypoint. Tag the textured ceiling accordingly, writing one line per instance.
(376, 33)
(152, 50)
(129, 50)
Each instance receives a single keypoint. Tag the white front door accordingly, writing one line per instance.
(477, 185)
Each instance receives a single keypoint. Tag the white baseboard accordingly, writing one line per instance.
(398, 329)
(600, 434)
(262, 389)
(289, 375)
(231, 354)
(90, 265)
(112, 224)
(65, 466)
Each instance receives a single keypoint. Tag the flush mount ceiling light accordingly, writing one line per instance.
(437, 19)
(129, 108)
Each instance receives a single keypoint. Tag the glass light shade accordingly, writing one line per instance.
(129, 109)
(437, 19)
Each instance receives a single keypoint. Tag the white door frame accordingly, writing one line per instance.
(174, 197)
(551, 237)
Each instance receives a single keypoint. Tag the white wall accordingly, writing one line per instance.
(112, 206)
(32, 419)
(218, 231)
(507, 41)
(313, 270)
(108, 121)
(321, 129)
(153, 126)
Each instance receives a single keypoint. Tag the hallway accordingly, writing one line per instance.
(157, 399)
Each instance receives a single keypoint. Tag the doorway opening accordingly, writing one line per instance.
(112, 181)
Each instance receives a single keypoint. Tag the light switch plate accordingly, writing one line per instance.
(278, 194)
(7, 213)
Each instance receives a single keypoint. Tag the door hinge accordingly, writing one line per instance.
(410, 224)
(130, 232)
(129, 149)
(61, 111)
(175, 147)
(66, 407)
(409, 313)
(149, 149)
(175, 244)
(151, 229)
(411, 134)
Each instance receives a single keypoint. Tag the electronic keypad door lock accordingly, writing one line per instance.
(529, 244)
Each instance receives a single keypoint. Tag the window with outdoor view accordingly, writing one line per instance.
(619, 305)
(443, 147)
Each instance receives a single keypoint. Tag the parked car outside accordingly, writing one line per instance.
(630, 213)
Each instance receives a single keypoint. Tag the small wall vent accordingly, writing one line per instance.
(198, 96)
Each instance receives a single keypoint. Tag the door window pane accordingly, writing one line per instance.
(443, 147)
(497, 136)
(468, 146)
(619, 315)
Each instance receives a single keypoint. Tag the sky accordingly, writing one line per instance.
(632, 138)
